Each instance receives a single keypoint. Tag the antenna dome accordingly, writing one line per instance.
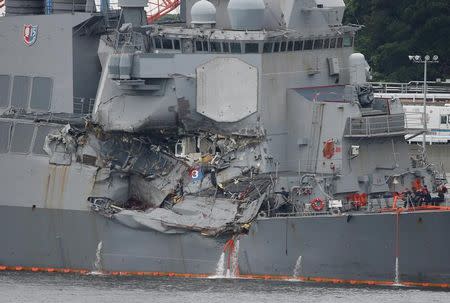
(246, 14)
(203, 12)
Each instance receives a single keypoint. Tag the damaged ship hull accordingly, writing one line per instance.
(407, 248)
(70, 239)
(207, 148)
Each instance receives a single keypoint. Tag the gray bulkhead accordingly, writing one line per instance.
(282, 72)
(58, 73)
(175, 97)
(31, 181)
(61, 60)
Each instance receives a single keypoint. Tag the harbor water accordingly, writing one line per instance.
(27, 287)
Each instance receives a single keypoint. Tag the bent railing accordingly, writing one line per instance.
(375, 126)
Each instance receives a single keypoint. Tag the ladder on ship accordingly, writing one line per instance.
(315, 133)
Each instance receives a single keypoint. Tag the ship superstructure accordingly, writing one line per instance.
(248, 131)
(437, 135)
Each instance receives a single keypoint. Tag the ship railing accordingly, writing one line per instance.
(48, 117)
(73, 7)
(412, 87)
(113, 6)
(302, 214)
(94, 7)
(104, 206)
(374, 205)
(375, 126)
(83, 105)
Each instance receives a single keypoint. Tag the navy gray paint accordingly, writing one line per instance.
(362, 247)
(270, 108)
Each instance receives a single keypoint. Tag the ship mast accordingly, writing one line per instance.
(426, 60)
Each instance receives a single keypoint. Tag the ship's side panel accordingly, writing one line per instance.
(127, 249)
(342, 247)
(50, 56)
(86, 65)
(70, 239)
(360, 247)
(43, 185)
(424, 247)
(48, 238)
(279, 73)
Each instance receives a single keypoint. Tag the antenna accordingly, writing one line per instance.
(426, 60)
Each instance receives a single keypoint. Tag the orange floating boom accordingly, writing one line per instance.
(255, 277)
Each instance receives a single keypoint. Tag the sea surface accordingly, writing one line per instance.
(65, 288)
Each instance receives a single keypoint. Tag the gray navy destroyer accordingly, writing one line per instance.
(243, 141)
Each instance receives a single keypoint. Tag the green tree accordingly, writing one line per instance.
(395, 29)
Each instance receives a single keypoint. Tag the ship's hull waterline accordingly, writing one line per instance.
(390, 248)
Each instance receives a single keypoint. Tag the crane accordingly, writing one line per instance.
(159, 8)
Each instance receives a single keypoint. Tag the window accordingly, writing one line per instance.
(42, 132)
(205, 46)
(176, 44)
(5, 82)
(21, 92)
(276, 47)
(157, 42)
(308, 44)
(41, 93)
(198, 46)
(267, 47)
(326, 43)
(167, 44)
(5, 132)
(318, 44)
(443, 119)
(226, 47)
(290, 46)
(21, 139)
(235, 48)
(339, 43)
(348, 41)
(215, 47)
(283, 46)
(298, 45)
(251, 48)
(333, 43)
